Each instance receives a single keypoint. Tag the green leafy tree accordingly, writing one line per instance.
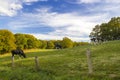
(40, 44)
(107, 31)
(95, 32)
(80, 44)
(44, 44)
(21, 40)
(50, 45)
(7, 41)
(67, 43)
(31, 41)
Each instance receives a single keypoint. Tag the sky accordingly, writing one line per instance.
(55, 19)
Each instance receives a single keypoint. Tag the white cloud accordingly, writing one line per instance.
(88, 1)
(11, 7)
(72, 25)
(109, 7)
(93, 1)
(83, 1)
(75, 26)
(30, 0)
(59, 37)
(112, 1)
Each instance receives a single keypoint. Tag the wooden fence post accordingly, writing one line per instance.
(13, 65)
(36, 63)
(90, 68)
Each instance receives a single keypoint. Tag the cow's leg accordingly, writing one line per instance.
(12, 55)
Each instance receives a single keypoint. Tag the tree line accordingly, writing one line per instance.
(107, 31)
(10, 41)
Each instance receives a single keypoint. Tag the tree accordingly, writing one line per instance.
(114, 25)
(44, 44)
(80, 44)
(56, 42)
(107, 31)
(67, 43)
(31, 41)
(7, 41)
(50, 45)
(38, 43)
(95, 32)
(21, 41)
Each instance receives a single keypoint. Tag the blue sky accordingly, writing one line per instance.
(55, 19)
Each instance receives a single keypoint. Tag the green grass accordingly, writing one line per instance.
(66, 64)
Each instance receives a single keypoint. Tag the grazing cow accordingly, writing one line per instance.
(58, 46)
(18, 52)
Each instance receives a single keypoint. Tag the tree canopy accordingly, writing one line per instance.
(10, 41)
(107, 31)
(7, 41)
(67, 43)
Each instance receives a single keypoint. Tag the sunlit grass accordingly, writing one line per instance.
(38, 50)
(29, 50)
(65, 64)
(7, 54)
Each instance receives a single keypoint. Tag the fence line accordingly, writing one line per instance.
(89, 61)
(36, 63)
(13, 65)
(90, 67)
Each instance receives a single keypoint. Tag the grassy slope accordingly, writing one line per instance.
(67, 64)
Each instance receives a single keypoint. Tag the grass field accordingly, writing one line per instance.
(66, 64)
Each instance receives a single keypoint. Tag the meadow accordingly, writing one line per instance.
(65, 64)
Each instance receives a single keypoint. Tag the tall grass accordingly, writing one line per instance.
(65, 64)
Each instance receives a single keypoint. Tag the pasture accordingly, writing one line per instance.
(65, 64)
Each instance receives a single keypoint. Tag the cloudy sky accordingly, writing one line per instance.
(55, 19)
